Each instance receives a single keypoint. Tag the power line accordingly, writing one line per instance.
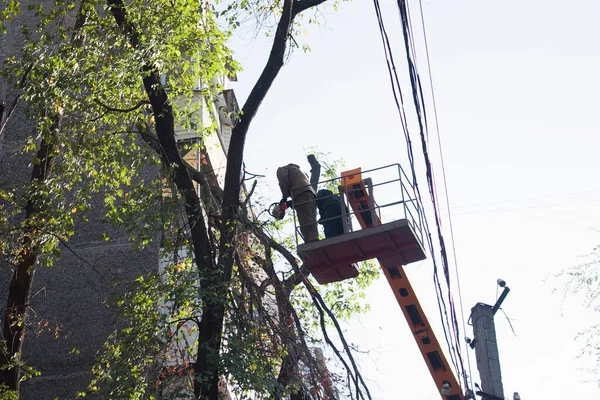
(397, 92)
(527, 207)
(419, 104)
(439, 141)
(524, 199)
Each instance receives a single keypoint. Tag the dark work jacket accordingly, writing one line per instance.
(330, 206)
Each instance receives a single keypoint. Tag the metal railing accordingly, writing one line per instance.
(390, 193)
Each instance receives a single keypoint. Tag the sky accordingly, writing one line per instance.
(516, 86)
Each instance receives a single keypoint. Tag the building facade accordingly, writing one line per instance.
(70, 314)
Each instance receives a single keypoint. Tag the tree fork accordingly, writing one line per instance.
(231, 192)
(211, 325)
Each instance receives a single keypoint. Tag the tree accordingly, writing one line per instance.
(582, 281)
(79, 75)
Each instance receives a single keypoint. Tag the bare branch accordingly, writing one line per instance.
(303, 5)
(245, 203)
(5, 116)
(335, 349)
(318, 300)
(86, 262)
(113, 109)
(123, 110)
(319, 303)
(151, 140)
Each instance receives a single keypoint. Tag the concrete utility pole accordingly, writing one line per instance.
(486, 347)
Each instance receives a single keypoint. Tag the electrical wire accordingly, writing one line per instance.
(419, 104)
(397, 92)
(422, 118)
(526, 199)
(450, 225)
(532, 207)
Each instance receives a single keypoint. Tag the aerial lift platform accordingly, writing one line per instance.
(394, 244)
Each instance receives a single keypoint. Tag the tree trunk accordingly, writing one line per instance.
(209, 330)
(13, 328)
(19, 292)
(213, 281)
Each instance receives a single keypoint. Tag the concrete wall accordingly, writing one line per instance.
(69, 309)
(71, 298)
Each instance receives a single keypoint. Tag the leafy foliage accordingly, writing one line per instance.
(582, 282)
(80, 73)
(156, 312)
(7, 394)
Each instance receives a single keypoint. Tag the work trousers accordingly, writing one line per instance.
(307, 216)
(335, 225)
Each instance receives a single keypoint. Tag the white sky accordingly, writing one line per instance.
(516, 84)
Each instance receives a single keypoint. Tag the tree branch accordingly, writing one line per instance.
(287, 314)
(303, 5)
(206, 371)
(231, 192)
(245, 202)
(317, 300)
(113, 109)
(124, 110)
(5, 116)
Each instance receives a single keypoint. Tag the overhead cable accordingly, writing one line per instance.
(397, 92)
(443, 166)
(419, 104)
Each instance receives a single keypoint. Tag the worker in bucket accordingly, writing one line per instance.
(296, 185)
(330, 211)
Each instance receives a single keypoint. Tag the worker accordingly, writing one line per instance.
(295, 184)
(330, 211)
